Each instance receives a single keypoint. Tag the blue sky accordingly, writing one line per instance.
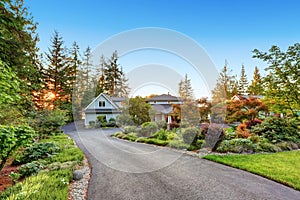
(225, 29)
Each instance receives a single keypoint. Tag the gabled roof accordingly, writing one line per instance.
(95, 99)
(164, 97)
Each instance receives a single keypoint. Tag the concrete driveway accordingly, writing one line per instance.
(126, 170)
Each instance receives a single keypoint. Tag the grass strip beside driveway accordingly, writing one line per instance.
(283, 167)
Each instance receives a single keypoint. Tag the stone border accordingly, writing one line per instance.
(78, 188)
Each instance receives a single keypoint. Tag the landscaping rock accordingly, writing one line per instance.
(77, 175)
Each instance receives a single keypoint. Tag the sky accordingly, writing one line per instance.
(226, 30)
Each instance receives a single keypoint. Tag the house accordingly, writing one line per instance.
(163, 107)
(103, 105)
(246, 97)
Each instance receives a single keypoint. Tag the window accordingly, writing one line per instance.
(101, 103)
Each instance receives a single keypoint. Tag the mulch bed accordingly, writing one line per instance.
(5, 180)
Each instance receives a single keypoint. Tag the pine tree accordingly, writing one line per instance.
(76, 80)
(185, 89)
(113, 75)
(87, 67)
(243, 82)
(57, 73)
(74, 66)
(101, 76)
(188, 111)
(88, 82)
(226, 86)
(256, 87)
(122, 89)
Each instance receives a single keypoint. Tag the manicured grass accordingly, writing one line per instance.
(282, 167)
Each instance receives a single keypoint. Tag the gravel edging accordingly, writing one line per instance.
(78, 188)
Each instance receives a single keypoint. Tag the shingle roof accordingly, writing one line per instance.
(164, 97)
(118, 99)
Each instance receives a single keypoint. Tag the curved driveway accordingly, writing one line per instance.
(125, 170)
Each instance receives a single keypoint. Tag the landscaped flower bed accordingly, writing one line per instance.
(271, 135)
(45, 169)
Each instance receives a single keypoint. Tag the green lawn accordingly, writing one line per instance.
(283, 167)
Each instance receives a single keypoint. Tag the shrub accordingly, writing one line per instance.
(189, 135)
(124, 120)
(32, 168)
(49, 122)
(111, 124)
(161, 135)
(277, 130)
(92, 124)
(37, 151)
(287, 146)
(142, 139)
(268, 147)
(161, 124)
(251, 123)
(133, 134)
(148, 128)
(101, 119)
(11, 139)
(157, 142)
(117, 134)
(255, 138)
(65, 165)
(129, 129)
(238, 145)
(242, 132)
(111, 120)
(199, 143)
(129, 137)
(177, 144)
(101, 122)
(11, 115)
(230, 133)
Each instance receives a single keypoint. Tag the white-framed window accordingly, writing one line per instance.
(101, 103)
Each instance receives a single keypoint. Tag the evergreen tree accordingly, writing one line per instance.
(256, 87)
(113, 74)
(87, 67)
(226, 86)
(122, 89)
(188, 111)
(243, 82)
(101, 80)
(111, 78)
(59, 72)
(185, 89)
(87, 79)
(18, 48)
(76, 80)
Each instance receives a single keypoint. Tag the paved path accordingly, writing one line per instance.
(124, 170)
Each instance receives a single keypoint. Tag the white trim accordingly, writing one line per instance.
(106, 97)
